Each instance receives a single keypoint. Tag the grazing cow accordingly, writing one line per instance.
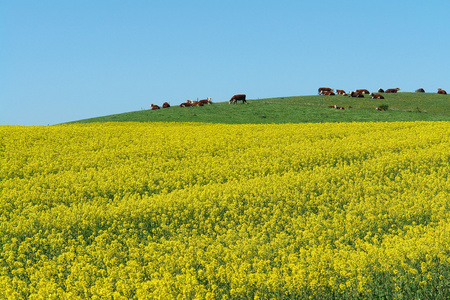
(392, 90)
(236, 98)
(341, 92)
(324, 89)
(363, 91)
(441, 91)
(206, 101)
(380, 90)
(165, 105)
(328, 94)
(336, 107)
(186, 104)
(377, 96)
(421, 90)
(356, 95)
(154, 106)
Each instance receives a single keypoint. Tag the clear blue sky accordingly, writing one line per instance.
(62, 61)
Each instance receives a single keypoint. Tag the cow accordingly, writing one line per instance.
(186, 104)
(328, 93)
(363, 91)
(441, 91)
(341, 92)
(336, 107)
(379, 109)
(380, 90)
(165, 105)
(154, 106)
(356, 95)
(236, 98)
(206, 101)
(377, 96)
(421, 90)
(324, 89)
(392, 90)
(197, 103)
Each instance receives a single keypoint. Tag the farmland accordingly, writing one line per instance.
(161, 210)
(299, 109)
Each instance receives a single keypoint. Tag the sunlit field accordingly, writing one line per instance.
(405, 107)
(215, 211)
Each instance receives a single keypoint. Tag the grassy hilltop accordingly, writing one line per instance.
(300, 109)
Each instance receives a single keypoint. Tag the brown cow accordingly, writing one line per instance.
(185, 104)
(197, 103)
(380, 90)
(165, 105)
(356, 95)
(328, 93)
(206, 101)
(441, 91)
(392, 90)
(337, 107)
(341, 92)
(154, 106)
(236, 98)
(363, 91)
(377, 96)
(324, 89)
(379, 109)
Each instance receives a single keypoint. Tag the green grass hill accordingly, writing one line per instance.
(300, 109)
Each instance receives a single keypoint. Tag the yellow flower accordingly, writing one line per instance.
(213, 211)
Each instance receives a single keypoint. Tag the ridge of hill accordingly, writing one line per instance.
(299, 109)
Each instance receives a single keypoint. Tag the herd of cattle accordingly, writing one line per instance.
(189, 103)
(325, 91)
(361, 92)
(185, 104)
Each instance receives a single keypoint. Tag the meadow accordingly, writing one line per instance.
(162, 210)
(298, 109)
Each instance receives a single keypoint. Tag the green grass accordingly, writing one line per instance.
(300, 109)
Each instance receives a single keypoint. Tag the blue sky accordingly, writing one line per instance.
(62, 61)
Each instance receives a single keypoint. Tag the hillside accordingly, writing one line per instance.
(300, 109)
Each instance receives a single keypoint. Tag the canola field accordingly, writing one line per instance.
(213, 211)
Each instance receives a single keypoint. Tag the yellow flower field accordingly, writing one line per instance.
(210, 211)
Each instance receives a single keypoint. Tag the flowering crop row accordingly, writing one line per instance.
(211, 211)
